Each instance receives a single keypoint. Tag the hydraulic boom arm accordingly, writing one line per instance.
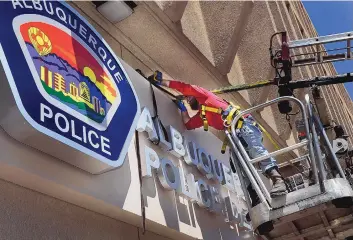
(317, 81)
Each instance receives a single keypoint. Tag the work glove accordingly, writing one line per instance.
(180, 105)
(156, 78)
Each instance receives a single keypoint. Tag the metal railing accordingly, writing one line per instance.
(279, 152)
(244, 165)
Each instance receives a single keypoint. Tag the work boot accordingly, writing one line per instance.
(278, 185)
(254, 200)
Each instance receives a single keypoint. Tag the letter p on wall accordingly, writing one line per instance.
(152, 162)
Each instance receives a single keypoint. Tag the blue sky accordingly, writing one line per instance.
(333, 17)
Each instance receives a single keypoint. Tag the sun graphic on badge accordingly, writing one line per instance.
(69, 73)
(40, 41)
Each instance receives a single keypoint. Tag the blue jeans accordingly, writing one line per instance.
(250, 136)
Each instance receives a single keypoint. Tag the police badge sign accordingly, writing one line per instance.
(67, 84)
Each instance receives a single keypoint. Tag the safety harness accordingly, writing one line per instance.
(227, 117)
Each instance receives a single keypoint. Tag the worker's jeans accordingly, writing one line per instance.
(250, 136)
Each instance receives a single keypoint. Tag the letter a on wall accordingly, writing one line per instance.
(74, 98)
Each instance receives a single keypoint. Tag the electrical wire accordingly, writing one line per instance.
(139, 166)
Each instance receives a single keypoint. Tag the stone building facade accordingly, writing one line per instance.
(211, 44)
(217, 44)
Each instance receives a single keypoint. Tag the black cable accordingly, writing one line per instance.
(143, 208)
(155, 106)
(154, 101)
(155, 109)
(156, 117)
(288, 120)
(272, 56)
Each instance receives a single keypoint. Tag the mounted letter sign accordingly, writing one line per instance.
(66, 82)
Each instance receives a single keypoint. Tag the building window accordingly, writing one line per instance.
(96, 104)
(46, 76)
(59, 83)
(73, 89)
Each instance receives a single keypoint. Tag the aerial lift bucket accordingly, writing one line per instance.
(268, 216)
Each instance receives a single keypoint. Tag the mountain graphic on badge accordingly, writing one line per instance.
(68, 72)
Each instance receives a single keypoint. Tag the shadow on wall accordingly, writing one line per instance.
(221, 23)
(31, 215)
(185, 212)
(122, 175)
(212, 225)
(151, 187)
(254, 59)
(178, 209)
(69, 175)
(167, 199)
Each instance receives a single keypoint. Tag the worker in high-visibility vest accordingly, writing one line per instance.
(214, 111)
